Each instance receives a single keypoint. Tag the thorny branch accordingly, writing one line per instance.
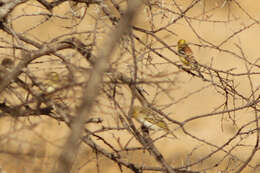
(90, 70)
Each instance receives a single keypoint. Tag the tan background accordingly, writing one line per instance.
(40, 146)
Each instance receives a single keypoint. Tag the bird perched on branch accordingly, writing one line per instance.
(53, 81)
(186, 54)
(150, 119)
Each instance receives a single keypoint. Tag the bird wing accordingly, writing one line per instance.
(155, 119)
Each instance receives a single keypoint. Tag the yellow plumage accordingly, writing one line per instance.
(186, 54)
(149, 118)
(53, 81)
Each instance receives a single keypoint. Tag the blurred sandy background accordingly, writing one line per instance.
(39, 146)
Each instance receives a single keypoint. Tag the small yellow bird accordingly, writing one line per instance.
(150, 119)
(53, 81)
(186, 54)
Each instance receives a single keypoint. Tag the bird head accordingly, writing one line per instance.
(137, 111)
(53, 77)
(181, 42)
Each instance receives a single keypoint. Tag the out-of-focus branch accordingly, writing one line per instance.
(8, 7)
(30, 56)
(102, 64)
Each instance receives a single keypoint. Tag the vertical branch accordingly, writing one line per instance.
(90, 92)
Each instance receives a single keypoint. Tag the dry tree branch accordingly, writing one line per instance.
(30, 56)
(102, 64)
(152, 59)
